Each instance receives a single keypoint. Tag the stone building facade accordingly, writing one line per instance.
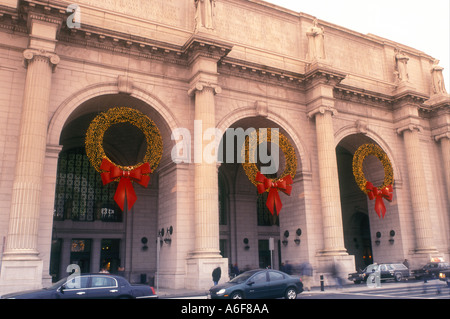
(223, 64)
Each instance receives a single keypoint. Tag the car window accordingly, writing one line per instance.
(259, 278)
(383, 267)
(399, 266)
(76, 282)
(275, 276)
(102, 281)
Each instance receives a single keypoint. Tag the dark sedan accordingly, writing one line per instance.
(258, 284)
(431, 270)
(386, 272)
(88, 286)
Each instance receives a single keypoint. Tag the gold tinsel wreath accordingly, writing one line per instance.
(361, 153)
(249, 148)
(103, 121)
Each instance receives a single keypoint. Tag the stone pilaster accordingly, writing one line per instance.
(203, 58)
(320, 83)
(22, 237)
(206, 194)
(419, 197)
(444, 140)
(22, 267)
(21, 242)
(329, 182)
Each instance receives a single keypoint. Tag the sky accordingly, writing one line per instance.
(421, 24)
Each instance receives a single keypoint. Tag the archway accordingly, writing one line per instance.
(359, 219)
(89, 229)
(247, 227)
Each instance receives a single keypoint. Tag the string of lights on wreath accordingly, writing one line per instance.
(384, 191)
(125, 175)
(264, 184)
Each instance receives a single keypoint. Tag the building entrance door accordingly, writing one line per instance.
(264, 253)
(80, 254)
(110, 255)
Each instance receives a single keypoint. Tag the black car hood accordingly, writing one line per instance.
(28, 294)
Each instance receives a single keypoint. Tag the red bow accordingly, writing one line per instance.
(273, 198)
(374, 192)
(125, 187)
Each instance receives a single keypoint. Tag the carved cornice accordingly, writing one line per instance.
(42, 11)
(202, 46)
(362, 96)
(323, 74)
(254, 71)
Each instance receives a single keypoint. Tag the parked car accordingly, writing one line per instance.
(88, 286)
(387, 272)
(431, 270)
(258, 284)
(445, 276)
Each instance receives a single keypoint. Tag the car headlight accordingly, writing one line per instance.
(220, 292)
(441, 275)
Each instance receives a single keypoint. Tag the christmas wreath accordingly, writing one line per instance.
(264, 184)
(111, 171)
(383, 191)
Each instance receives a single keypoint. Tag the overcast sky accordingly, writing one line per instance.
(420, 24)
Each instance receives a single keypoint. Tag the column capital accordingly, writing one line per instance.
(32, 54)
(201, 86)
(409, 127)
(322, 110)
(442, 136)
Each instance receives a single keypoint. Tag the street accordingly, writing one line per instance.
(433, 289)
(412, 289)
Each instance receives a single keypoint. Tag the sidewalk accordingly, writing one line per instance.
(179, 293)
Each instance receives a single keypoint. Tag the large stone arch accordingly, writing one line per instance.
(350, 138)
(74, 107)
(65, 110)
(295, 213)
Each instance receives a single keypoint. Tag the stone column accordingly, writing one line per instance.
(206, 194)
(21, 254)
(23, 227)
(445, 149)
(329, 182)
(419, 197)
(203, 56)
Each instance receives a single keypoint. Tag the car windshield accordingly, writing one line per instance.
(243, 277)
(58, 283)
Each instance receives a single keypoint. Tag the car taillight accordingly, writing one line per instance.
(153, 290)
